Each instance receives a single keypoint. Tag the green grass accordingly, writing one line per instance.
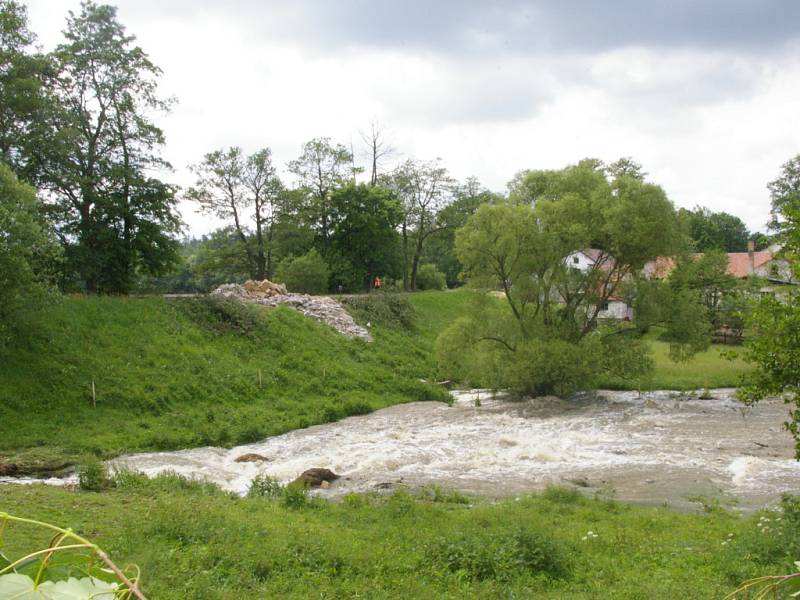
(194, 542)
(169, 375)
(707, 369)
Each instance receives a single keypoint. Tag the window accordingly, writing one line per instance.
(575, 260)
(604, 306)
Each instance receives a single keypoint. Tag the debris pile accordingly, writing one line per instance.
(321, 308)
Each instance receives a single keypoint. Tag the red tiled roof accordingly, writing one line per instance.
(739, 262)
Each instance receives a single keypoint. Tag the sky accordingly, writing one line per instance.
(705, 94)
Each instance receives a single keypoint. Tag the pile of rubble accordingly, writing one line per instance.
(321, 308)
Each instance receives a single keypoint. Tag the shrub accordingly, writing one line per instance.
(93, 476)
(264, 486)
(295, 496)
(391, 310)
(224, 315)
(308, 274)
(500, 557)
(430, 278)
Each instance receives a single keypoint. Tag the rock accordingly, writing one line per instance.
(8, 469)
(578, 481)
(251, 457)
(230, 290)
(315, 477)
(264, 289)
(325, 485)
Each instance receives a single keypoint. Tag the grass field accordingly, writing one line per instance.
(194, 542)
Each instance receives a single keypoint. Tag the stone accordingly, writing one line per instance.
(250, 457)
(8, 469)
(315, 477)
(264, 288)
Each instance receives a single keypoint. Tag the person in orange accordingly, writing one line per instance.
(377, 283)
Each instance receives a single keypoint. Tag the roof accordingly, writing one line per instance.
(738, 264)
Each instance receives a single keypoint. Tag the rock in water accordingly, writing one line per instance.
(251, 457)
(315, 477)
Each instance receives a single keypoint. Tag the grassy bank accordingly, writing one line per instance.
(193, 541)
(176, 374)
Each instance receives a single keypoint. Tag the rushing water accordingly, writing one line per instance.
(655, 447)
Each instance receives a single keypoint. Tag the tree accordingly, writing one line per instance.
(364, 238)
(21, 79)
(28, 254)
(424, 188)
(378, 149)
(774, 347)
(714, 230)
(94, 148)
(230, 185)
(441, 248)
(547, 338)
(308, 274)
(320, 169)
(708, 276)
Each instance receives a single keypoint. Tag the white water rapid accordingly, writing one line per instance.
(651, 448)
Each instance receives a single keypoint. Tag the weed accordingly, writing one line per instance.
(264, 486)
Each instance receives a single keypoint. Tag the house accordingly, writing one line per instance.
(766, 264)
(592, 258)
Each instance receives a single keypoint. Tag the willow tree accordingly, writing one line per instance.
(546, 336)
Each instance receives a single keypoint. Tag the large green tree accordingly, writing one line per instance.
(96, 147)
(547, 336)
(28, 254)
(773, 348)
(364, 239)
(321, 168)
(22, 73)
(425, 188)
(243, 190)
(714, 230)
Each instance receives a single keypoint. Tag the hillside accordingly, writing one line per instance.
(175, 374)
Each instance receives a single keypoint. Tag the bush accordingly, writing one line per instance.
(264, 486)
(391, 310)
(430, 278)
(307, 274)
(93, 477)
(500, 557)
(295, 496)
(224, 315)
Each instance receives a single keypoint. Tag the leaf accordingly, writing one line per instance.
(78, 589)
(19, 587)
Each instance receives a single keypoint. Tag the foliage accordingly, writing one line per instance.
(546, 338)
(363, 235)
(430, 278)
(28, 255)
(714, 230)
(424, 188)
(235, 187)
(390, 310)
(93, 476)
(774, 347)
(264, 486)
(225, 316)
(307, 274)
(95, 149)
(70, 567)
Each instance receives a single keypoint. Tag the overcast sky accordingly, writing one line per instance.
(704, 93)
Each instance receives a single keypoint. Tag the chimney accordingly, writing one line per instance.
(751, 259)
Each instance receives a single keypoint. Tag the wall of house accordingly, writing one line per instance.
(617, 310)
(578, 260)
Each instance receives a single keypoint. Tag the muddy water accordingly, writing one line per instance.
(654, 448)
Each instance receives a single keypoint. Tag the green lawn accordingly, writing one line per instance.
(192, 541)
